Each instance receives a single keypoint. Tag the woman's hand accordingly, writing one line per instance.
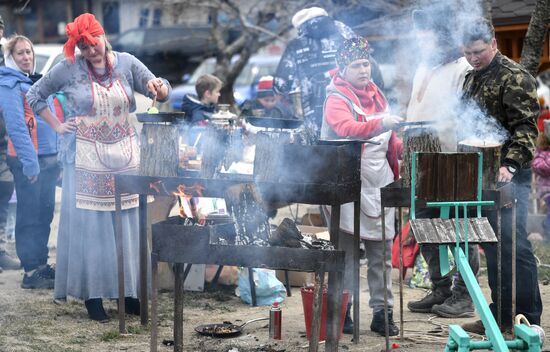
(158, 88)
(391, 122)
(32, 179)
(66, 127)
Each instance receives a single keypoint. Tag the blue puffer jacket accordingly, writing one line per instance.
(13, 87)
(195, 111)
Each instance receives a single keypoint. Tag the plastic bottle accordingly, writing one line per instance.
(275, 320)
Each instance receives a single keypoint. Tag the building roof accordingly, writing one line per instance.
(507, 12)
(391, 21)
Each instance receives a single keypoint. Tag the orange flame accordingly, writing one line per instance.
(186, 193)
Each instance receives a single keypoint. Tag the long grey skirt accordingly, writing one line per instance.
(86, 265)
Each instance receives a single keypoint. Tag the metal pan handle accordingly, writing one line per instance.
(251, 321)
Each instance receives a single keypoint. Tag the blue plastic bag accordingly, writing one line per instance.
(268, 288)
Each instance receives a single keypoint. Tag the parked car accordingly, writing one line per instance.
(47, 55)
(169, 52)
(245, 84)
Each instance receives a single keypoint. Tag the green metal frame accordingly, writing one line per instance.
(458, 339)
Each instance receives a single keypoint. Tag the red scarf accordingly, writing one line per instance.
(85, 27)
(371, 100)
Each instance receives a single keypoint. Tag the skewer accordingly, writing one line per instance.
(197, 140)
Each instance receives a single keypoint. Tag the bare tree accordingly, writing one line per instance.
(258, 22)
(534, 39)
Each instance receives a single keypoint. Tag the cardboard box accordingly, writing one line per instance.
(193, 282)
(299, 278)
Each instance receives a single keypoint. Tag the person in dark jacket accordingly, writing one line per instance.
(6, 191)
(6, 180)
(307, 60)
(32, 158)
(267, 103)
(506, 92)
(198, 109)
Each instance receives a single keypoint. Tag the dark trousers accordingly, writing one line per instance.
(430, 252)
(6, 190)
(35, 207)
(528, 299)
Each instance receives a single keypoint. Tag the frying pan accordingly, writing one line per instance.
(270, 122)
(225, 329)
(174, 117)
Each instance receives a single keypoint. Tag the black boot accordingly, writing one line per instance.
(95, 310)
(437, 296)
(348, 323)
(131, 305)
(377, 325)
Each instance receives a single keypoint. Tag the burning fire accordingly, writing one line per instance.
(186, 193)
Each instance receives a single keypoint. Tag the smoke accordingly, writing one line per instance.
(429, 36)
(475, 124)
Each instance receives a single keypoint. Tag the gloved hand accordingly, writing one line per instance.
(390, 121)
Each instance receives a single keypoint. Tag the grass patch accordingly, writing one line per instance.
(109, 336)
(135, 329)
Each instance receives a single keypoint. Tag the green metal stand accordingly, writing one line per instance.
(527, 340)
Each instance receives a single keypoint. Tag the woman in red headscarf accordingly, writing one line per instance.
(355, 107)
(98, 141)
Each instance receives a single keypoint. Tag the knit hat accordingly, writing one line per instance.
(85, 27)
(306, 14)
(1, 22)
(265, 87)
(352, 49)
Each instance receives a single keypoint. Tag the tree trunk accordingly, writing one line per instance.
(491, 161)
(417, 140)
(534, 39)
(159, 150)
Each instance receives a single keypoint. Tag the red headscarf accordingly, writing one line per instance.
(85, 27)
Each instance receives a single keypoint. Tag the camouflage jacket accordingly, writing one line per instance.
(507, 92)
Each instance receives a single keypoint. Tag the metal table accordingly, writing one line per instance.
(333, 194)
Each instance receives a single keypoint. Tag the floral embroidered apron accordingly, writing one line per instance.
(106, 144)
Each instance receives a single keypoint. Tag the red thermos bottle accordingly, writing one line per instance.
(275, 319)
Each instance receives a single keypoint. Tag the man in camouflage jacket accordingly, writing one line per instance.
(505, 91)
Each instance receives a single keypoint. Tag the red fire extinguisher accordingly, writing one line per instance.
(275, 320)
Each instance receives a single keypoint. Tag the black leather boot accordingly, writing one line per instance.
(131, 305)
(348, 323)
(95, 309)
(377, 325)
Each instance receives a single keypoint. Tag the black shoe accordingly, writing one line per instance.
(348, 323)
(131, 306)
(377, 325)
(37, 279)
(95, 309)
(459, 305)
(47, 271)
(425, 305)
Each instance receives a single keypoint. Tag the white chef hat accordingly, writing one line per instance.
(306, 14)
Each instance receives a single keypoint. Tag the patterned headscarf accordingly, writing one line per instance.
(85, 27)
(352, 49)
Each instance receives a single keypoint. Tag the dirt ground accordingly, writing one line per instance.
(31, 321)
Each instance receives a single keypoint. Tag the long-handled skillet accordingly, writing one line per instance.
(224, 329)
(270, 122)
